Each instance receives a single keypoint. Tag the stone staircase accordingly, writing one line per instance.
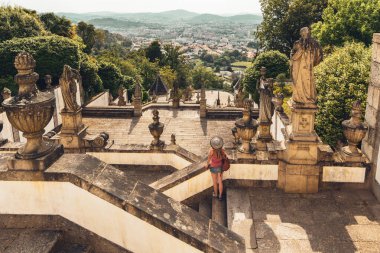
(240, 217)
(37, 241)
(233, 212)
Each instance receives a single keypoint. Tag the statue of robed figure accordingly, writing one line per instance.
(68, 83)
(305, 55)
(265, 87)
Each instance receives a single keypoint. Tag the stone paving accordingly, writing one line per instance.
(192, 132)
(331, 221)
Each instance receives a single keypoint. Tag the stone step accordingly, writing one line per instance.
(72, 248)
(219, 212)
(205, 207)
(239, 216)
(34, 241)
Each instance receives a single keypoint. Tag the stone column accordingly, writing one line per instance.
(298, 170)
(371, 143)
(202, 104)
(137, 101)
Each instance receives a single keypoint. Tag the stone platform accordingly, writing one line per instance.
(191, 131)
(330, 221)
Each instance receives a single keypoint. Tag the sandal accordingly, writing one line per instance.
(214, 195)
(220, 198)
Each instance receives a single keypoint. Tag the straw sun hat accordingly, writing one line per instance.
(216, 142)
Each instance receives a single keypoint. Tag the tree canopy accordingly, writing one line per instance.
(348, 20)
(17, 22)
(283, 19)
(274, 61)
(341, 79)
(57, 25)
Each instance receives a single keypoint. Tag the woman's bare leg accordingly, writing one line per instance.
(220, 182)
(215, 183)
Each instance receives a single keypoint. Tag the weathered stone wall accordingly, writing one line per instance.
(371, 143)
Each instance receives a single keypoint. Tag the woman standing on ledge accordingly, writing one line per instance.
(215, 163)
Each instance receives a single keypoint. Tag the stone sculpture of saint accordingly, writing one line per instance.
(265, 88)
(306, 54)
(68, 83)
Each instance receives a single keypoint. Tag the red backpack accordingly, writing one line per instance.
(225, 162)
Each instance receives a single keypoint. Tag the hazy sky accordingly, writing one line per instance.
(200, 6)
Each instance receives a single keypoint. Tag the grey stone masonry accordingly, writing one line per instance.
(371, 142)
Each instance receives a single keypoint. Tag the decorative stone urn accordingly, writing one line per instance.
(31, 110)
(156, 128)
(354, 130)
(278, 101)
(246, 128)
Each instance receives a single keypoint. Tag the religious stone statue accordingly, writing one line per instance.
(306, 54)
(48, 80)
(68, 82)
(121, 101)
(137, 91)
(265, 88)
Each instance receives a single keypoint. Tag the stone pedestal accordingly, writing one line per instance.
(137, 107)
(203, 108)
(298, 170)
(73, 130)
(264, 136)
(40, 163)
(175, 102)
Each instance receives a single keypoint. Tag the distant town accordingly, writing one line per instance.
(197, 34)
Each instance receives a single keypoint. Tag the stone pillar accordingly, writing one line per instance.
(298, 170)
(137, 101)
(371, 143)
(202, 104)
(72, 131)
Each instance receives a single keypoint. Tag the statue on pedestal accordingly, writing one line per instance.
(68, 83)
(306, 54)
(265, 86)
(121, 101)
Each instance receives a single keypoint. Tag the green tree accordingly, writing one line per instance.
(168, 75)
(173, 56)
(202, 75)
(88, 34)
(91, 82)
(153, 52)
(57, 25)
(348, 20)
(275, 62)
(341, 79)
(283, 19)
(17, 22)
(50, 53)
(112, 78)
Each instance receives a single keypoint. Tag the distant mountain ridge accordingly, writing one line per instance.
(162, 17)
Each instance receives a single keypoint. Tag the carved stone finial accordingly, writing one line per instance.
(246, 128)
(25, 63)
(156, 128)
(26, 77)
(354, 130)
(33, 114)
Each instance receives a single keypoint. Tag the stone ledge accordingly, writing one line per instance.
(180, 176)
(152, 206)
